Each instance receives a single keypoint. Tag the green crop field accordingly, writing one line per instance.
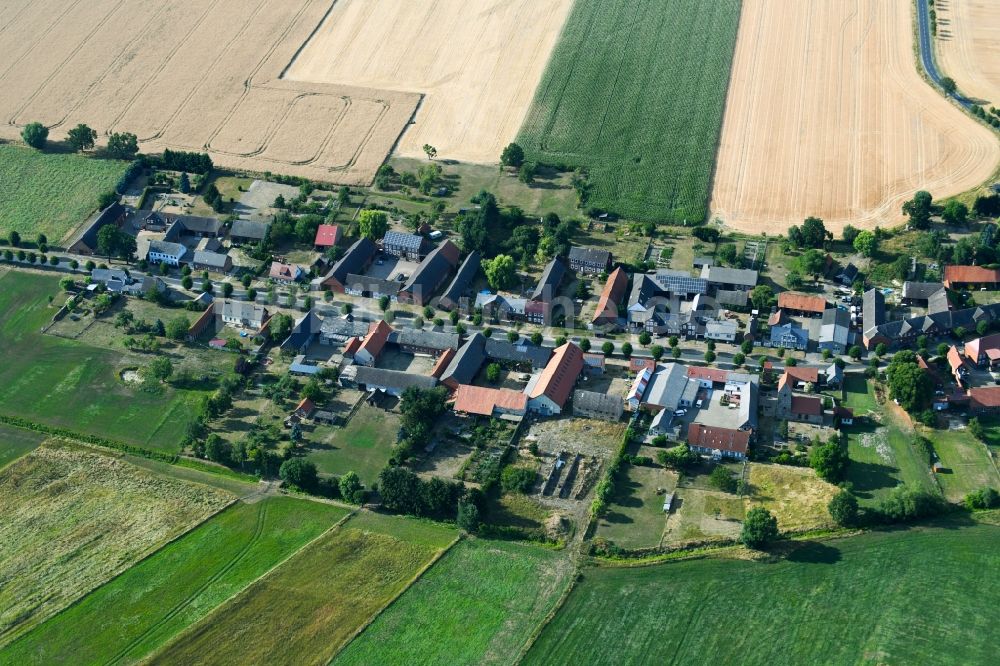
(69, 384)
(635, 518)
(143, 608)
(363, 445)
(73, 518)
(634, 92)
(305, 609)
(919, 596)
(50, 193)
(15, 442)
(966, 461)
(487, 597)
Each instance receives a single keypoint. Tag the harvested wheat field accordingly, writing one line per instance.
(828, 116)
(193, 76)
(476, 61)
(73, 518)
(968, 47)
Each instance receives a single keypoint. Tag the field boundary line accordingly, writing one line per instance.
(417, 576)
(536, 634)
(256, 581)
(119, 574)
(184, 603)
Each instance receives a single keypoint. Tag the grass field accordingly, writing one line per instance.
(966, 461)
(305, 609)
(71, 385)
(635, 517)
(50, 193)
(918, 596)
(363, 445)
(880, 447)
(487, 597)
(795, 495)
(73, 518)
(147, 605)
(634, 91)
(15, 442)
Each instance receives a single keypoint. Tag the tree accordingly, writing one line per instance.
(430, 151)
(517, 479)
(679, 457)
(843, 508)
(909, 383)
(186, 281)
(709, 356)
(829, 460)
(35, 135)
(493, 373)
(948, 85)
(812, 263)
(400, 490)
(976, 429)
(468, 516)
(512, 156)
(955, 212)
(761, 297)
(850, 233)
(727, 254)
(760, 527)
(854, 352)
(351, 488)
(919, 209)
(984, 498)
(795, 280)
(739, 358)
(866, 243)
(123, 146)
(185, 183)
(608, 348)
(500, 271)
(812, 233)
(227, 289)
(585, 344)
(722, 479)
(373, 223)
(112, 241)
(159, 369)
(881, 349)
(177, 327)
(81, 138)
(299, 472)
(14, 239)
(626, 349)
(656, 351)
(645, 338)
(217, 449)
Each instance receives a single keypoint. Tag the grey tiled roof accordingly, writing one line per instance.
(548, 284)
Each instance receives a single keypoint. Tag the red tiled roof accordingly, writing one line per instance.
(327, 235)
(969, 274)
(776, 318)
(306, 406)
(806, 405)
(792, 301)
(611, 296)
(285, 271)
(378, 334)
(803, 374)
(973, 348)
(560, 374)
(483, 400)
(713, 374)
(352, 346)
(640, 364)
(955, 360)
(986, 396)
(724, 439)
(442, 362)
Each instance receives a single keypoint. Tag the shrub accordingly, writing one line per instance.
(760, 527)
(722, 479)
(843, 508)
(907, 502)
(984, 498)
(517, 479)
(351, 488)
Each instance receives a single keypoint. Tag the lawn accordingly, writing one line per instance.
(363, 445)
(304, 610)
(147, 605)
(880, 447)
(487, 597)
(74, 518)
(634, 92)
(635, 517)
(69, 384)
(917, 596)
(966, 461)
(15, 442)
(50, 193)
(795, 495)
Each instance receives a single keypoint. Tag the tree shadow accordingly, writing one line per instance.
(617, 518)
(814, 552)
(868, 477)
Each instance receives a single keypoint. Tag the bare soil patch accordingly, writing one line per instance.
(828, 116)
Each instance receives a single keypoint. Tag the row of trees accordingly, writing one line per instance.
(121, 145)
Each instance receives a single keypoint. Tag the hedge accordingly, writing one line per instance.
(606, 486)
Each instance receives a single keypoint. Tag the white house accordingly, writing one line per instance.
(166, 252)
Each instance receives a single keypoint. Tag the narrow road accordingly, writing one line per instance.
(926, 43)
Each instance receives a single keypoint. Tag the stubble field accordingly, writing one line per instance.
(827, 116)
(968, 47)
(476, 61)
(73, 518)
(193, 76)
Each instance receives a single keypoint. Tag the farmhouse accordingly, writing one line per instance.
(594, 405)
(801, 304)
(392, 382)
(285, 273)
(959, 277)
(835, 330)
(729, 279)
(243, 314)
(723, 330)
(548, 285)
(789, 336)
(85, 242)
(847, 275)
(984, 351)
(606, 313)
(931, 295)
(184, 225)
(338, 331)
(903, 332)
(589, 260)
(733, 298)
(791, 407)
(371, 287)
(244, 232)
(430, 274)
(465, 364)
(370, 348)
(305, 331)
(517, 354)
(490, 402)
(425, 343)
(162, 251)
(400, 244)
(327, 236)
(958, 365)
(212, 261)
(547, 392)
(500, 307)
(460, 284)
(354, 262)
(722, 442)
